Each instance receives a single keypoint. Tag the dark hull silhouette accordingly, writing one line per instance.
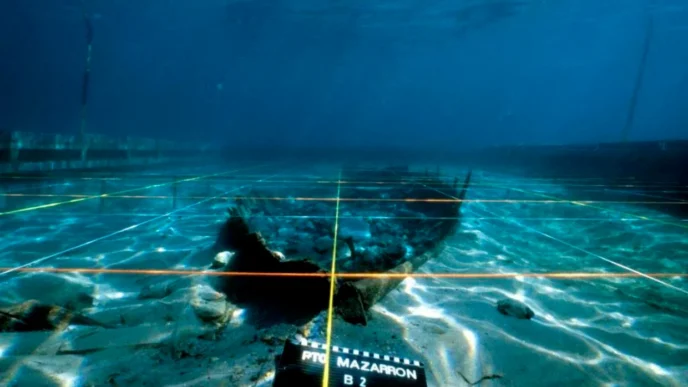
(305, 289)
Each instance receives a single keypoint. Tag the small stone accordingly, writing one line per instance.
(159, 290)
(304, 330)
(286, 232)
(267, 339)
(433, 329)
(369, 257)
(163, 289)
(263, 359)
(278, 255)
(513, 308)
(356, 228)
(73, 292)
(32, 316)
(343, 251)
(359, 251)
(395, 251)
(221, 259)
(323, 244)
(270, 340)
(211, 306)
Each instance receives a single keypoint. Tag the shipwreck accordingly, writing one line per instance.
(372, 251)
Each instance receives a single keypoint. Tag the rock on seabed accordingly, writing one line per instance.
(513, 308)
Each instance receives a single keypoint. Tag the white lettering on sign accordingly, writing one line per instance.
(390, 370)
(313, 357)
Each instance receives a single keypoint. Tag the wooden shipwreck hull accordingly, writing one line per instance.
(301, 286)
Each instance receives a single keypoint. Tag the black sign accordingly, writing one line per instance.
(303, 362)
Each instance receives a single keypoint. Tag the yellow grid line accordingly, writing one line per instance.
(584, 203)
(373, 217)
(317, 180)
(552, 199)
(333, 279)
(563, 275)
(627, 268)
(39, 260)
(55, 204)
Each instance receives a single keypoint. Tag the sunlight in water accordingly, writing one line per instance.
(446, 363)
(612, 332)
(238, 317)
(626, 321)
(550, 290)
(102, 296)
(410, 284)
(266, 379)
(520, 295)
(471, 341)
(67, 380)
(576, 322)
(658, 370)
(425, 311)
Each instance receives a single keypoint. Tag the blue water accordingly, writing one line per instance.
(600, 266)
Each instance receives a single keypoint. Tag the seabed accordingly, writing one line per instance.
(606, 280)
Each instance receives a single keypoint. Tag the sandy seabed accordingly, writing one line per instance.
(608, 330)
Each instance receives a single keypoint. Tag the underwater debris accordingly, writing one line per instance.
(163, 289)
(486, 377)
(352, 248)
(221, 259)
(323, 244)
(211, 306)
(251, 254)
(69, 291)
(33, 316)
(188, 301)
(513, 308)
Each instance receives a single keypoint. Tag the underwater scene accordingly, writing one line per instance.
(505, 277)
(328, 193)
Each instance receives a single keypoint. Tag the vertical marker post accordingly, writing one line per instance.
(638, 82)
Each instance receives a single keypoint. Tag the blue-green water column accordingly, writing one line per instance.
(84, 85)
